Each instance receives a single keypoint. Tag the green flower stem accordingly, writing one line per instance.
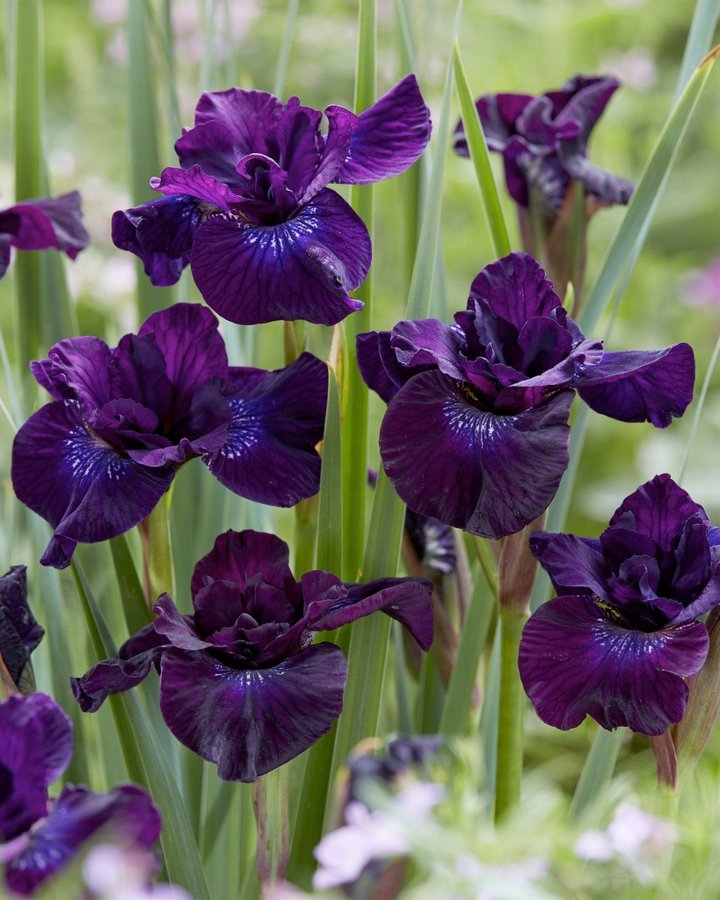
(597, 771)
(158, 569)
(511, 714)
(270, 801)
(703, 709)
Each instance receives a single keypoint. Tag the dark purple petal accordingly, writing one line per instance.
(249, 722)
(76, 369)
(574, 564)
(574, 662)
(244, 557)
(468, 467)
(48, 222)
(609, 188)
(429, 342)
(161, 234)
(126, 811)
(193, 349)
(20, 634)
(389, 136)
(379, 365)
(582, 100)
(277, 419)
(498, 116)
(177, 629)
(87, 491)
(408, 600)
(515, 288)
(299, 269)
(209, 146)
(194, 182)
(111, 676)
(249, 116)
(296, 145)
(641, 385)
(337, 145)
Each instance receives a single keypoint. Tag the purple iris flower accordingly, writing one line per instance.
(544, 141)
(39, 224)
(249, 208)
(241, 682)
(40, 837)
(622, 634)
(19, 632)
(96, 460)
(476, 430)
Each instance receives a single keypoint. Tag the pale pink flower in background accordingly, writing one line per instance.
(635, 68)
(702, 288)
(119, 873)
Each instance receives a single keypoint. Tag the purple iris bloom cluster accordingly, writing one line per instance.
(241, 682)
(250, 210)
(19, 632)
(476, 430)
(96, 460)
(623, 633)
(543, 141)
(40, 837)
(40, 224)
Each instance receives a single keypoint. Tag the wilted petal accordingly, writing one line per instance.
(575, 662)
(498, 116)
(641, 385)
(515, 288)
(160, 233)
(609, 188)
(83, 488)
(574, 564)
(20, 634)
(470, 468)
(278, 418)
(75, 817)
(244, 557)
(248, 722)
(47, 222)
(298, 269)
(389, 136)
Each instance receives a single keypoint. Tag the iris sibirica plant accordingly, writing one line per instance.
(623, 633)
(250, 210)
(476, 429)
(95, 461)
(241, 683)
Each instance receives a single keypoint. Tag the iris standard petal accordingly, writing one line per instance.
(582, 100)
(389, 136)
(244, 557)
(248, 116)
(575, 565)
(75, 817)
(76, 369)
(468, 467)
(194, 182)
(341, 123)
(429, 342)
(515, 288)
(298, 269)
(641, 385)
(277, 419)
(576, 662)
(379, 365)
(250, 721)
(498, 116)
(209, 146)
(81, 486)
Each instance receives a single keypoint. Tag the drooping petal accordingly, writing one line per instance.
(160, 233)
(243, 557)
(641, 385)
(575, 565)
(249, 722)
(75, 817)
(298, 269)
(47, 222)
(470, 468)
(249, 116)
(515, 288)
(86, 490)
(610, 189)
(389, 136)
(20, 634)
(194, 182)
(379, 365)
(278, 418)
(111, 676)
(575, 662)
(76, 369)
(177, 629)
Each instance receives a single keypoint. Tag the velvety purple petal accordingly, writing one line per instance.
(379, 365)
(409, 600)
(498, 116)
(84, 489)
(526, 172)
(111, 676)
(76, 369)
(470, 468)
(209, 146)
(574, 662)
(47, 222)
(574, 564)
(177, 629)
(658, 509)
(429, 342)
(641, 385)
(609, 188)
(161, 234)
(584, 101)
(243, 557)
(194, 182)
(20, 634)
(341, 124)
(389, 136)
(249, 116)
(126, 812)
(193, 349)
(515, 288)
(278, 418)
(249, 722)
(299, 269)
(707, 599)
